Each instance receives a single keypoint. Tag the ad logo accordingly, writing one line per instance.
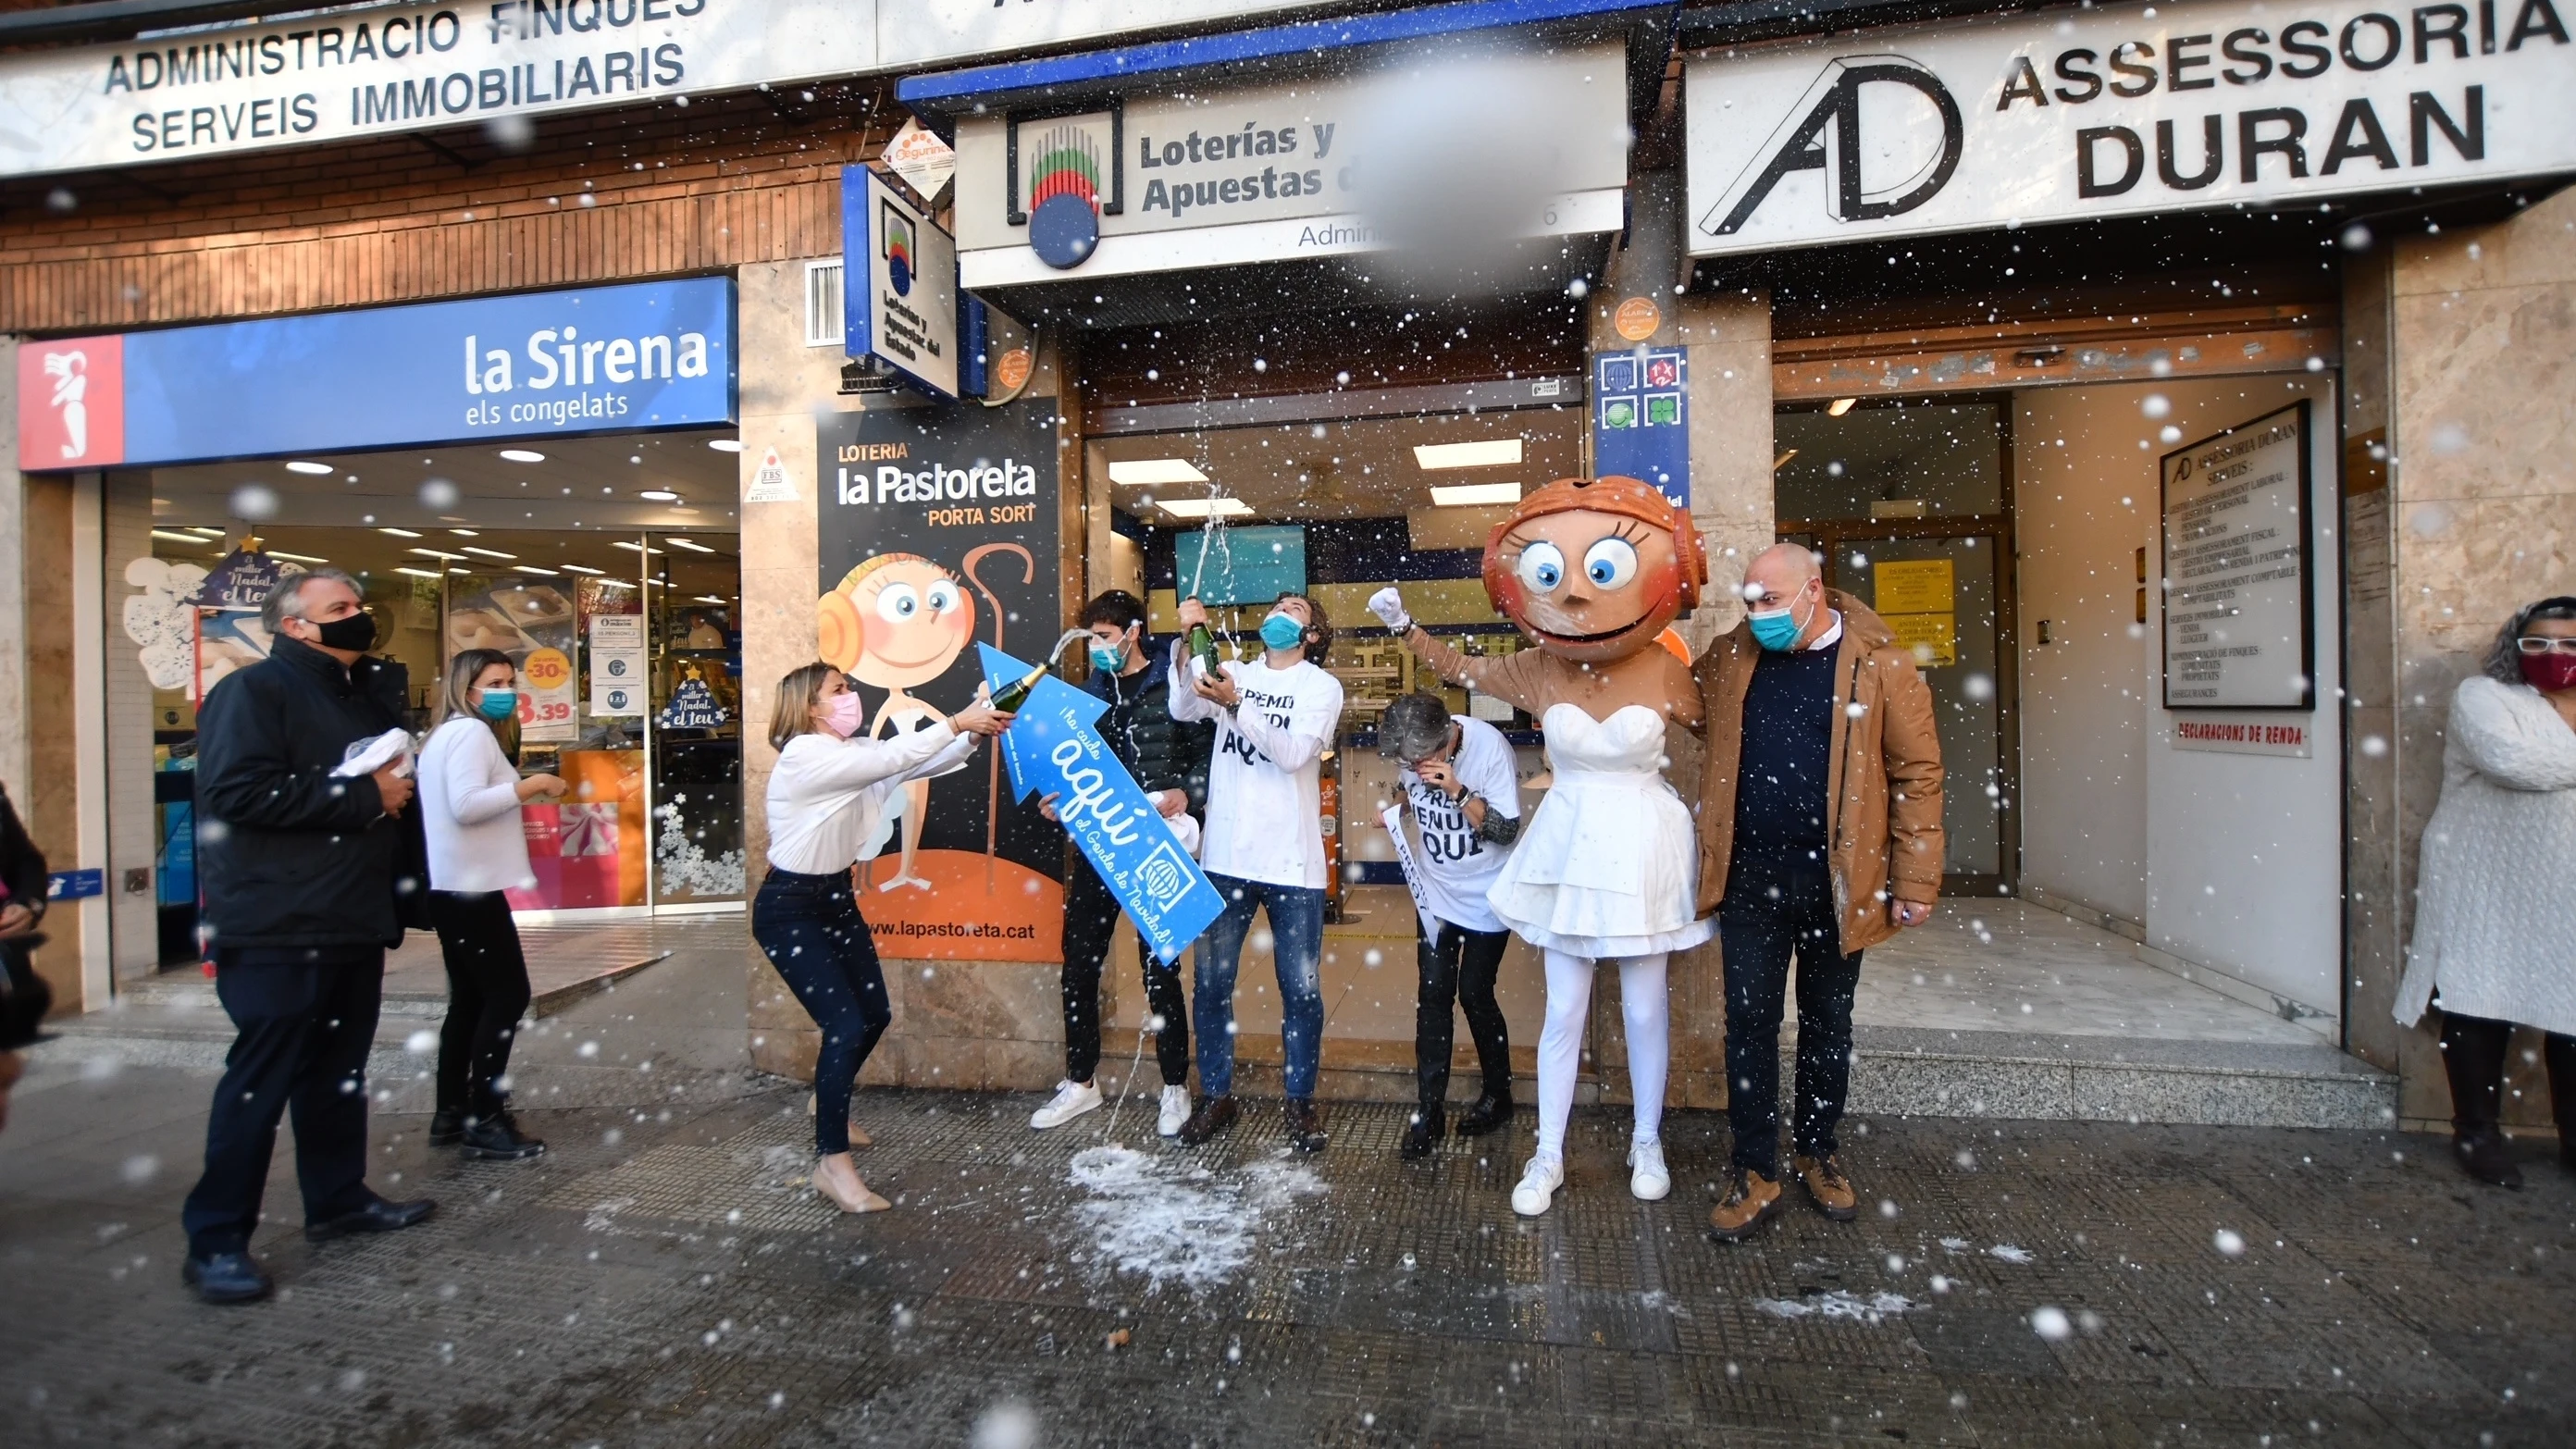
(1064, 174)
(71, 403)
(1897, 137)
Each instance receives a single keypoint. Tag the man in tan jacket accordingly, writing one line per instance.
(1819, 836)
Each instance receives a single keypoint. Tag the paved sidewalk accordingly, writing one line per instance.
(662, 1278)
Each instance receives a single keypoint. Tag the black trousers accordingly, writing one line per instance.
(2473, 1056)
(1773, 911)
(487, 993)
(302, 1028)
(1090, 920)
(809, 928)
(1459, 968)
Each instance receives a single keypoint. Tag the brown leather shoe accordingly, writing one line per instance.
(1750, 1199)
(1826, 1186)
(1214, 1115)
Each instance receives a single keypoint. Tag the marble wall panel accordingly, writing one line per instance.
(2484, 355)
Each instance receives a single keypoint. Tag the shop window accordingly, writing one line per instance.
(823, 315)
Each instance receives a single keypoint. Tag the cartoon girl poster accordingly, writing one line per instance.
(918, 564)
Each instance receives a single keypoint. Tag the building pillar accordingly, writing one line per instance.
(784, 385)
(2483, 351)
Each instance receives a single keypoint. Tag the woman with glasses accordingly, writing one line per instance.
(2492, 947)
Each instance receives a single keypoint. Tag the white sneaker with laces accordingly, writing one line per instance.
(1648, 1179)
(1538, 1186)
(1175, 1111)
(1072, 1099)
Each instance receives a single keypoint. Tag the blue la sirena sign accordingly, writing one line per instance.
(618, 359)
(1053, 747)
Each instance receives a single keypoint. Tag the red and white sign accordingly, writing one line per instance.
(2238, 734)
(71, 403)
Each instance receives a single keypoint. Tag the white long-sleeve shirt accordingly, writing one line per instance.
(827, 797)
(469, 808)
(1265, 799)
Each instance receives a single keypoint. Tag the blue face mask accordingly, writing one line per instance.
(1281, 632)
(1776, 629)
(1110, 657)
(498, 704)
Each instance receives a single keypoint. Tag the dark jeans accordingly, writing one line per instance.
(1771, 912)
(1090, 920)
(1459, 967)
(809, 928)
(487, 993)
(1297, 950)
(302, 1026)
(2473, 1056)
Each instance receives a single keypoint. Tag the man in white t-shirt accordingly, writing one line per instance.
(1263, 848)
(1464, 795)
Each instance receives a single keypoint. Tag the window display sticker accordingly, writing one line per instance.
(1915, 586)
(617, 664)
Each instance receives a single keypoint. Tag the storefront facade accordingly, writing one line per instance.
(1967, 306)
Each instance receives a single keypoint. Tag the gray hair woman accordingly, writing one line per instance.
(2492, 947)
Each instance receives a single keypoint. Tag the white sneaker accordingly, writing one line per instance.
(1648, 1180)
(1538, 1186)
(1176, 1110)
(1072, 1099)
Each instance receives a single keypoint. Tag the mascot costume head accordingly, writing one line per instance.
(1593, 569)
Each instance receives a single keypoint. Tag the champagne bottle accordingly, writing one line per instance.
(1016, 693)
(1203, 649)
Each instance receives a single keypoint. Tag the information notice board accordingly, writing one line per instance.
(2239, 621)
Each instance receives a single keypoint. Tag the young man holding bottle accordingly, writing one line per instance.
(1169, 759)
(1263, 847)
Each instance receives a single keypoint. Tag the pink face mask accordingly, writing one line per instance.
(2550, 672)
(841, 715)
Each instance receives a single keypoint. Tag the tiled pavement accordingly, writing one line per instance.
(660, 1280)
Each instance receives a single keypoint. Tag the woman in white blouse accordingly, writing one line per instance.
(827, 804)
(470, 795)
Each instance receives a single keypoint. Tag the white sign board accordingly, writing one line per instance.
(332, 75)
(2239, 633)
(1198, 178)
(903, 308)
(2116, 111)
(927, 32)
(617, 666)
(923, 160)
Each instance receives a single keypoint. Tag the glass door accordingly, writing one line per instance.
(1910, 505)
(694, 727)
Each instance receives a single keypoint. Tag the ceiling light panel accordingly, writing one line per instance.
(690, 544)
(1471, 495)
(1492, 453)
(1206, 507)
(523, 455)
(1155, 470)
(317, 470)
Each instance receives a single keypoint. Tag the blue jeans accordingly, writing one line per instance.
(1297, 945)
(809, 928)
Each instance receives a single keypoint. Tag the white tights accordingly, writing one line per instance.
(1560, 1044)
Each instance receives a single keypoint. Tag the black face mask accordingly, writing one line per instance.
(353, 634)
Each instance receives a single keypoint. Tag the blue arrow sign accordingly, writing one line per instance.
(1052, 747)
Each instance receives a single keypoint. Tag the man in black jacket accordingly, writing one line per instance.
(299, 869)
(1170, 761)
